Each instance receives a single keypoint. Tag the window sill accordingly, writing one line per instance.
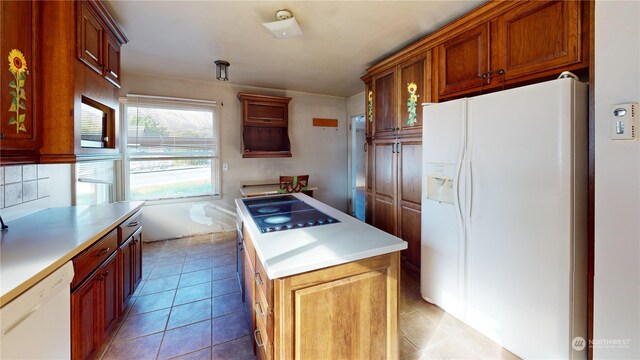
(181, 200)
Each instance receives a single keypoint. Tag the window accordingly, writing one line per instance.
(94, 182)
(171, 148)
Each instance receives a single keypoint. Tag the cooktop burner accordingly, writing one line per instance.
(278, 213)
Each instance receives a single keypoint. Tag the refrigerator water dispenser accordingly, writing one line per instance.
(440, 188)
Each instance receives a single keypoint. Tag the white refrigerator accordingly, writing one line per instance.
(504, 215)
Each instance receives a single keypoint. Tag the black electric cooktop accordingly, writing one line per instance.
(285, 212)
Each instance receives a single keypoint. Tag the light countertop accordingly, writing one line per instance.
(36, 245)
(290, 252)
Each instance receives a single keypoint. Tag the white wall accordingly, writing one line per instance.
(355, 104)
(319, 152)
(617, 182)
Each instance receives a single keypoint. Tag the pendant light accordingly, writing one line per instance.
(222, 70)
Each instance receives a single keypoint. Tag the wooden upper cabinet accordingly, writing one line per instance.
(265, 121)
(19, 95)
(463, 59)
(538, 36)
(384, 103)
(527, 41)
(112, 62)
(90, 39)
(99, 39)
(413, 92)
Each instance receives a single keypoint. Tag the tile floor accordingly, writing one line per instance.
(188, 306)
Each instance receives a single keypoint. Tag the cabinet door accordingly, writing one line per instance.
(85, 319)
(125, 255)
(136, 272)
(409, 199)
(112, 60)
(412, 93)
(384, 185)
(538, 36)
(384, 103)
(368, 196)
(368, 106)
(249, 291)
(17, 78)
(110, 300)
(266, 113)
(463, 59)
(90, 39)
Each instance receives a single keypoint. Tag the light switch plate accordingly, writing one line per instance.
(623, 119)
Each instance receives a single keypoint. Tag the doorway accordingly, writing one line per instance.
(358, 166)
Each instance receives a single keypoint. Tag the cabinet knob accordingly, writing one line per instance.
(105, 274)
(104, 251)
(1, 136)
(258, 278)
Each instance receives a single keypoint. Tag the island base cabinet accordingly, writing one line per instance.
(348, 311)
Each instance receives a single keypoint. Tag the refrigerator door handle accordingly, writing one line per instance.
(470, 199)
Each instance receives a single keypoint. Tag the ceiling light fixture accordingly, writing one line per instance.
(285, 27)
(222, 70)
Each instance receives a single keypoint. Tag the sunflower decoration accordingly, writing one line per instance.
(18, 67)
(370, 105)
(412, 101)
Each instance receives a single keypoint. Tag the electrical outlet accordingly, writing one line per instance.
(225, 167)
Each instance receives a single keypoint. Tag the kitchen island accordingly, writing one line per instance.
(320, 284)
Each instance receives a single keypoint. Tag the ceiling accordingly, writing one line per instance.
(181, 39)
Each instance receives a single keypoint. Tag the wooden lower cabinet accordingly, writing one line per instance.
(396, 195)
(385, 176)
(94, 309)
(347, 311)
(130, 254)
(106, 276)
(410, 200)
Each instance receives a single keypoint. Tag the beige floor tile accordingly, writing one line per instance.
(420, 331)
(406, 347)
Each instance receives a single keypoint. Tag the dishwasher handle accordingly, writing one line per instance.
(21, 319)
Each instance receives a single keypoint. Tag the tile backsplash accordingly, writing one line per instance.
(23, 184)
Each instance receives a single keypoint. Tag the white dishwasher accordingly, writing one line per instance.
(37, 324)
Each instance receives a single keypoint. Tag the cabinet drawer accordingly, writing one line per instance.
(128, 227)
(264, 313)
(91, 258)
(262, 340)
(263, 283)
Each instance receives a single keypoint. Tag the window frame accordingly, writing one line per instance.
(134, 100)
